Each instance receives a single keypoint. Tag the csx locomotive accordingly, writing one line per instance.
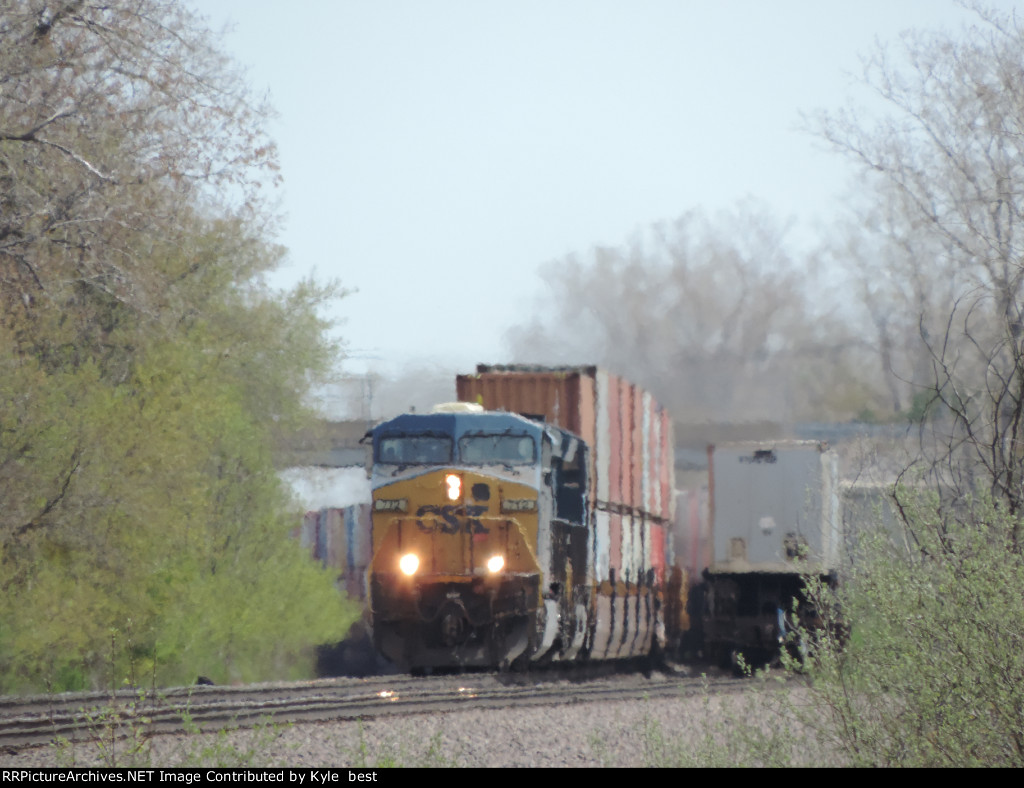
(479, 539)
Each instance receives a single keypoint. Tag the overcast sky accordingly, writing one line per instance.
(436, 153)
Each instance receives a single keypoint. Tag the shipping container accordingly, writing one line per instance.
(339, 538)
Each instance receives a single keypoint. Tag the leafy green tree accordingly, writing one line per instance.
(161, 507)
(147, 373)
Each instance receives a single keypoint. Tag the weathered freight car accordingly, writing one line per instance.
(339, 538)
(528, 524)
(774, 520)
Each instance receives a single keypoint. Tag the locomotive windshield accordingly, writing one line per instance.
(415, 449)
(503, 449)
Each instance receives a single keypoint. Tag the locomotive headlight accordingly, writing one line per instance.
(454, 485)
(495, 563)
(409, 563)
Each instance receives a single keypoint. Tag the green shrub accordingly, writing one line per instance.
(932, 672)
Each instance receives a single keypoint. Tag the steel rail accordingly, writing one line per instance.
(26, 722)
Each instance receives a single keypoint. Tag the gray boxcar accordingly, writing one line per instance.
(774, 507)
(775, 519)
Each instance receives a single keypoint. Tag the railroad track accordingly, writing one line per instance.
(32, 721)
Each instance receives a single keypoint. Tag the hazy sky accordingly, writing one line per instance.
(436, 153)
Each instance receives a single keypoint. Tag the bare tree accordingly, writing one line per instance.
(715, 317)
(116, 120)
(948, 162)
(898, 271)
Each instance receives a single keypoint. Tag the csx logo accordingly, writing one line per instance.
(452, 519)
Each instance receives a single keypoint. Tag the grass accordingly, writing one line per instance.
(121, 738)
(124, 738)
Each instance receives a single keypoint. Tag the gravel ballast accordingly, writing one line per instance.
(655, 732)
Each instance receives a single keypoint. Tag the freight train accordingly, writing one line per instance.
(526, 524)
(536, 520)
